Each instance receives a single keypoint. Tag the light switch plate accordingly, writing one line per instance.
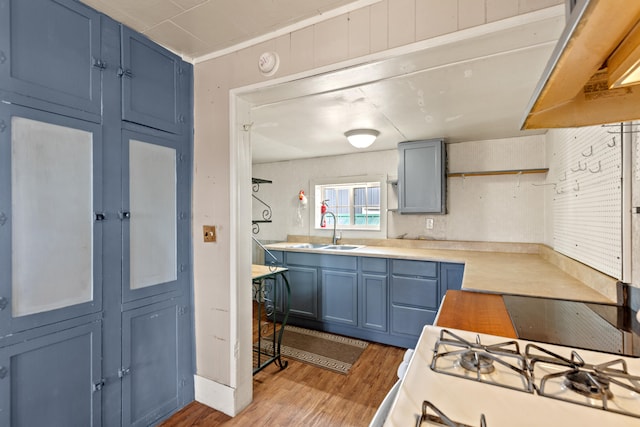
(209, 233)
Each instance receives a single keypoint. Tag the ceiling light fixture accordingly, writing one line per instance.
(361, 138)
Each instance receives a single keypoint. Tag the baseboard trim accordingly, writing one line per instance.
(215, 395)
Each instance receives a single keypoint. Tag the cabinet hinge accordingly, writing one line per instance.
(182, 215)
(182, 268)
(181, 157)
(98, 63)
(3, 303)
(123, 372)
(3, 57)
(3, 125)
(124, 72)
(182, 310)
(100, 216)
(124, 215)
(3, 218)
(181, 118)
(4, 371)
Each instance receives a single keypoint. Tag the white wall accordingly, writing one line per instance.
(219, 294)
(503, 208)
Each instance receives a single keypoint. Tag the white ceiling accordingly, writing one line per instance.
(194, 28)
(467, 86)
(462, 88)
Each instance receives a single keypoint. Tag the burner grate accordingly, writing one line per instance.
(440, 419)
(608, 386)
(499, 364)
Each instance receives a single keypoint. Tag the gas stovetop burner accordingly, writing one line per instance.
(608, 386)
(477, 362)
(592, 385)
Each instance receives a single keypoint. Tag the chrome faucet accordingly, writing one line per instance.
(333, 240)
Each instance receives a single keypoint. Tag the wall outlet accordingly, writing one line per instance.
(428, 224)
(209, 233)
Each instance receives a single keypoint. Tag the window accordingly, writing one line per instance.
(355, 205)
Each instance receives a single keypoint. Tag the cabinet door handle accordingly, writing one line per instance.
(122, 72)
(99, 385)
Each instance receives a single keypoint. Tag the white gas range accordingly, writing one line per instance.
(477, 380)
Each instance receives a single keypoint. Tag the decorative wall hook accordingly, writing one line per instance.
(580, 167)
(588, 153)
(596, 170)
(613, 142)
(577, 186)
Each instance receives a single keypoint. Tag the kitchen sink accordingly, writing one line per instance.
(308, 246)
(342, 247)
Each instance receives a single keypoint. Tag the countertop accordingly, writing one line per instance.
(492, 272)
(262, 271)
(483, 313)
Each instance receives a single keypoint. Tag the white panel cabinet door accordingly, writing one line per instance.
(50, 219)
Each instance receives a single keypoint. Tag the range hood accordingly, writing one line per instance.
(581, 83)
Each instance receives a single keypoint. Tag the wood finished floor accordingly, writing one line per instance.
(303, 395)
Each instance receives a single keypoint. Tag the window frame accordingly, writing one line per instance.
(317, 186)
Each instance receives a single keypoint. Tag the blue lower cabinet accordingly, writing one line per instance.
(374, 302)
(150, 357)
(451, 276)
(53, 380)
(340, 297)
(410, 320)
(377, 299)
(415, 291)
(304, 291)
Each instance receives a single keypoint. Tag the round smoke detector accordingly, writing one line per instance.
(268, 63)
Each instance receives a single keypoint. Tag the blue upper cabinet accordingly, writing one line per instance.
(155, 84)
(50, 56)
(421, 177)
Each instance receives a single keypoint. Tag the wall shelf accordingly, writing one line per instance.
(266, 212)
(502, 172)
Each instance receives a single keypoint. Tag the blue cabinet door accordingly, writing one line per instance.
(53, 380)
(304, 291)
(340, 297)
(151, 363)
(421, 177)
(374, 301)
(155, 216)
(155, 85)
(50, 55)
(450, 277)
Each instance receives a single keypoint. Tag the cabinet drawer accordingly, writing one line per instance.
(410, 320)
(414, 268)
(321, 260)
(414, 291)
(374, 265)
